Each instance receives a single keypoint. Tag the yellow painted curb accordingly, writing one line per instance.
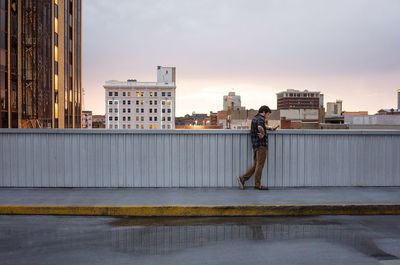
(200, 211)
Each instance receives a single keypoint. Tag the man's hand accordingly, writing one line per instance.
(261, 132)
(275, 128)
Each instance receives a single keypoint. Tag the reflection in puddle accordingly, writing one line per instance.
(144, 237)
(21, 237)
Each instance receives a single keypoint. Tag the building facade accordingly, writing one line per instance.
(390, 122)
(99, 121)
(142, 105)
(295, 99)
(87, 119)
(40, 63)
(334, 109)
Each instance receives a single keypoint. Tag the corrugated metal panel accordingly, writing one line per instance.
(68, 158)
(362, 159)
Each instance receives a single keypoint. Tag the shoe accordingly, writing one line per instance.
(241, 183)
(261, 188)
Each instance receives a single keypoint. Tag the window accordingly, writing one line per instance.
(142, 126)
(142, 118)
(110, 94)
(142, 110)
(151, 102)
(116, 94)
(169, 119)
(129, 118)
(163, 94)
(137, 102)
(129, 126)
(163, 110)
(151, 110)
(123, 118)
(155, 94)
(150, 118)
(155, 102)
(123, 110)
(142, 94)
(142, 102)
(110, 126)
(116, 118)
(124, 94)
(163, 126)
(116, 102)
(169, 126)
(155, 110)
(163, 118)
(124, 126)
(116, 127)
(116, 110)
(169, 94)
(129, 94)
(151, 94)
(109, 110)
(155, 118)
(137, 110)
(137, 126)
(151, 127)
(169, 110)
(163, 103)
(137, 118)
(123, 102)
(110, 118)
(129, 102)
(129, 110)
(110, 102)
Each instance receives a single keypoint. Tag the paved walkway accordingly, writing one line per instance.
(200, 202)
(319, 196)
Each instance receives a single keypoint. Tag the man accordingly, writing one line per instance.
(259, 140)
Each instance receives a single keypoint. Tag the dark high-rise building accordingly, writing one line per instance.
(40, 63)
(295, 99)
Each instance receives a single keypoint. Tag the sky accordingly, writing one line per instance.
(347, 49)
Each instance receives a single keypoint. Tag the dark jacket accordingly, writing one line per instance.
(258, 120)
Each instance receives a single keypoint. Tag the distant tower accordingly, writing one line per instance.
(232, 102)
(398, 99)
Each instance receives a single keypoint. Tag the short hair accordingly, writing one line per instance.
(265, 109)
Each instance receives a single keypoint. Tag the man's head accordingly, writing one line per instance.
(265, 111)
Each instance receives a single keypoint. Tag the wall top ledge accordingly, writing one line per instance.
(196, 132)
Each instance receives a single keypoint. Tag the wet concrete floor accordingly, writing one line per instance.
(311, 240)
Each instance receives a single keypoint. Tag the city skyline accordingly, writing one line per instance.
(345, 49)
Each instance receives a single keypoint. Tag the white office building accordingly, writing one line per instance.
(142, 105)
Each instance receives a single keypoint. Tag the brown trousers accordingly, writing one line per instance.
(260, 156)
